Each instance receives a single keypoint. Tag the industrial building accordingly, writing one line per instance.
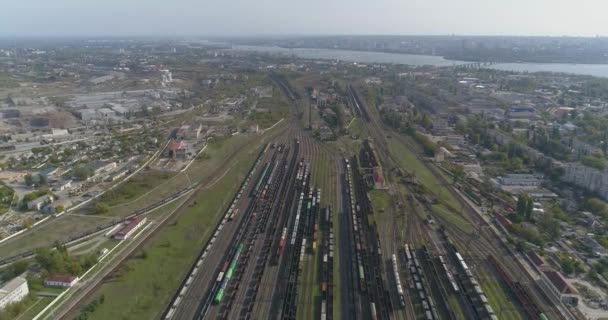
(129, 227)
(13, 291)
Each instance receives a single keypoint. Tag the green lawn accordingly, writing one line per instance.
(452, 218)
(135, 187)
(380, 200)
(408, 161)
(35, 308)
(502, 306)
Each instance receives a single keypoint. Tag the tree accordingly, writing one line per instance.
(549, 226)
(28, 179)
(522, 205)
(529, 207)
(596, 206)
(27, 223)
(15, 269)
(82, 172)
(567, 266)
(458, 173)
(42, 179)
(101, 208)
(59, 209)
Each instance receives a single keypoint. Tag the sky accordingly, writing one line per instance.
(302, 17)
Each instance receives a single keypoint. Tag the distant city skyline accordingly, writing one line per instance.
(314, 17)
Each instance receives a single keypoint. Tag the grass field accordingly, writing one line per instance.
(380, 200)
(452, 218)
(48, 233)
(501, 305)
(135, 187)
(408, 161)
(35, 308)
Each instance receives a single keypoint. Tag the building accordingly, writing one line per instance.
(67, 184)
(39, 202)
(87, 114)
(117, 175)
(263, 92)
(521, 179)
(13, 291)
(129, 227)
(522, 113)
(61, 281)
(588, 178)
(106, 113)
(188, 132)
(100, 167)
(455, 140)
(560, 284)
(120, 110)
(176, 149)
(538, 261)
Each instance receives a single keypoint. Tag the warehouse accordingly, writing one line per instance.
(129, 227)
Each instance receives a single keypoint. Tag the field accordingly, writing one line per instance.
(135, 187)
(35, 308)
(49, 232)
(496, 296)
(408, 161)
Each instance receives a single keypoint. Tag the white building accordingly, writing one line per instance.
(13, 291)
(39, 202)
(61, 281)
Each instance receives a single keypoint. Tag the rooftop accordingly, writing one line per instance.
(11, 285)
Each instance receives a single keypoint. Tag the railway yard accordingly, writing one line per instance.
(302, 240)
(360, 226)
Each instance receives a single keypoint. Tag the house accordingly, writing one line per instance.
(176, 149)
(441, 154)
(13, 291)
(522, 113)
(61, 281)
(129, 227)
(120, 110)
(117, 175)
(87, 114)
(39, 202)
(559, 283)
(67, 184)
(596, 248)
(105, 112)
(538, 261)
(455, 140)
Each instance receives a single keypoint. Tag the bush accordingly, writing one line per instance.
(101, 208)
(593, 162)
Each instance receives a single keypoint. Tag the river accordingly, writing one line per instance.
(598, 70)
